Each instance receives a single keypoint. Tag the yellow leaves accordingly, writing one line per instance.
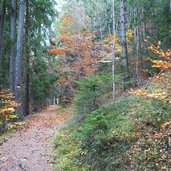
(7, 110)
(148, 59)
(7, 106)
(110, 38)
(166, 124)
(153, 48)
(138, 92)
(157, 94)
(161, 64)
(129, 35)
(15, 125)
(9, 117)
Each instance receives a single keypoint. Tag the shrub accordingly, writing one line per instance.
(93, 92)
(121, 137)
(7, 105)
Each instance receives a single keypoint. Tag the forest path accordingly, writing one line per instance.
(30, 147)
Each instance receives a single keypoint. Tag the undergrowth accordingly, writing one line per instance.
(121, 137)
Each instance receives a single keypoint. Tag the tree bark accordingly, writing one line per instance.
(19, 54)
(2, 30)
(12, 48)
(114, 51)
(124, 44)
(137, 53)
(27, 81)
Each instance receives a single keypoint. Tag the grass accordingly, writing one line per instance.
(121, 137)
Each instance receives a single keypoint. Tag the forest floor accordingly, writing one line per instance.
(30, 148)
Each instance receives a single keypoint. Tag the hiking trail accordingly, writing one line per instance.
(30, 148)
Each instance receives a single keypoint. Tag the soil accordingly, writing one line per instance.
(30, 148)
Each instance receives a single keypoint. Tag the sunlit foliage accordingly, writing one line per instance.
(7, 108)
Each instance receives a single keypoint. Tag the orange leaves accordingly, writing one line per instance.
(67, 20)
(161, 64)
(63, 116)
(75, 51)
(56, 51)
(165, 63)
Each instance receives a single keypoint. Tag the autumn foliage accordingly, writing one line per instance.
(163, 78)
(164, 62)
(75, 51)
(7, 107)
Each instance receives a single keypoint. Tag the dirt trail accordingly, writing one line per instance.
(29, 148)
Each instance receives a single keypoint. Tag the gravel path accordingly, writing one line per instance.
(30, 147)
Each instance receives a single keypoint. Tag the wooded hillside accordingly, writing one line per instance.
(106, 64)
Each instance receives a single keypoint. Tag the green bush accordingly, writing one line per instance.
(107, 137)
(42, 84)
(93, 92)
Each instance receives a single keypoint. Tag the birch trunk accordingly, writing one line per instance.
(12, 48)
(19, 54)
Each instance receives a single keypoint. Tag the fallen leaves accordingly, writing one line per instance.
(157, 94)
(63, 116)
(43, 121)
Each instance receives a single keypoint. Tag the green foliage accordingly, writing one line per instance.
(107, 137)
(93, 92)
(41, 83)
(69, 148)
(41, 15)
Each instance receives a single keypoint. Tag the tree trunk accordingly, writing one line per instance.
(27, 81)
(124, 44)
(137, 53)
(19, 54)
(114, 51)
(2, 30)
(12, 48)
